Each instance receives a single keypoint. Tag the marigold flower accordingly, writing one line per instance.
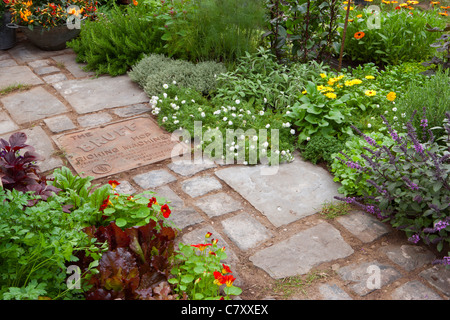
(359, 35)
(370, 93)
(323, 75)
(369, 77)
(391, 96)
(443, 13)
(330, 95)
(166, 211)
(135, 2)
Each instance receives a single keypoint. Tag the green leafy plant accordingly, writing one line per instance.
(401, 37)
(199, 272)
(442, 46)
(321, 149)
(118, 40)
(153, 71)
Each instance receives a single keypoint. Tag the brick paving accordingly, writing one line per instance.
(269, 224)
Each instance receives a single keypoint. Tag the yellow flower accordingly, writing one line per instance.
(330, 95)
(370, 77)
(391, 96)
(320, 88)
(356, 81)
(370, 93)
(359, 16)
(304, 92)
(348, 83)
(351, 8)
(323, 75)
(386, 2)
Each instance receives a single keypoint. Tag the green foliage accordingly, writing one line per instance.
(153, 71)
(352, 181)
(212, 30)
(117, 41)
(401, 37)
(434, 94)
(199, 273)
(37, 243)
(259, 79)
(321, 148)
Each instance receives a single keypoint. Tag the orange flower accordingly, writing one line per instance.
(228, 280)
(359, 35)
(209, 234)
(443, 13)
(219, 280)
(201, 246)
(226, 269)
(135, 2)
(165, 211)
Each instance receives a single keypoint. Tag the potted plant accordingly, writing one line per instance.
(7, 35)
(49, 25)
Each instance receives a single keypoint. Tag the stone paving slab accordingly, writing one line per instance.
(190, 168)
(218, 204)
(153, 179)
(53, 78)
(59, 123)
(309, 187)
(92, 120)
(132, 111)
(91, 95)
(409, 257)
(363, 276)
(31, 105)
(69, 62)
(6, 124)
(303, 251)
(439, 277)
(245, 231)
(15, 75)
(26, 52)
(414, 290)
(7, 63)
(365, 227)
(199, 186)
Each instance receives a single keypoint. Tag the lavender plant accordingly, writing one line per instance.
(411, 179)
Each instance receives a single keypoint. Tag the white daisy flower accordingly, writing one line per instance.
(165, 86)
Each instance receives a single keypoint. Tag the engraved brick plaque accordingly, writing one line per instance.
(118, 147)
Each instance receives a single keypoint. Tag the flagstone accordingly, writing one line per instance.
(69, 62)
(301, 252)
(439, 277)
(365, 227)
(295, 190)
(34, 104)
(96, 119)
(218, 204)
(6, 124)
(409, 257)
(7, 63)
(414, 290)
(15, 75)
(153, 179)
(59, 123)
(91, 95)
(199, 186)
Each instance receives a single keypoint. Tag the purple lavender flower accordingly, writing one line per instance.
(424, 123)
(353, 165)
(410, 184)
(414, 238)
(440, 225)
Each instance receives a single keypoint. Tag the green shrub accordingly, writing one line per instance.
(153, 71)
(213, 30)
(117, 41)
(321, 148)
(434, 95)
(401, 37)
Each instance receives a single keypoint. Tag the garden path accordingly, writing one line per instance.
(278, 244)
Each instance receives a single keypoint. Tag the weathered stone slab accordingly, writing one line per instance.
(46, 70)
(53, 78)
(7, 63)
(18, 75)
(154, 179)
(75, 68)
(59, 123)
(26, 52)
(303, 251)
(133, 110)
(414, 290)
(34, 104)
(199, 186)
(409, 257)
(245, 231)
(92, 120)
(364, 226)
(189, 168)
(125, 188)
(39, 63)
(333, 292)
(168, 194)
(38, 139)
(368, 277)
(218, 204)
(439, 277)
(298, 189)
(6, 124)
(90, 95)
(117, 147)
(185, 217)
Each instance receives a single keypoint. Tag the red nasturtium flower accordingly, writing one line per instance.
(105, 203)
(359, 35)
(201, 246)
(228, 280)
(113, 183)
(218, 278)
(151, 202)
(165, 211)
(226, 269)
(209, 234)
